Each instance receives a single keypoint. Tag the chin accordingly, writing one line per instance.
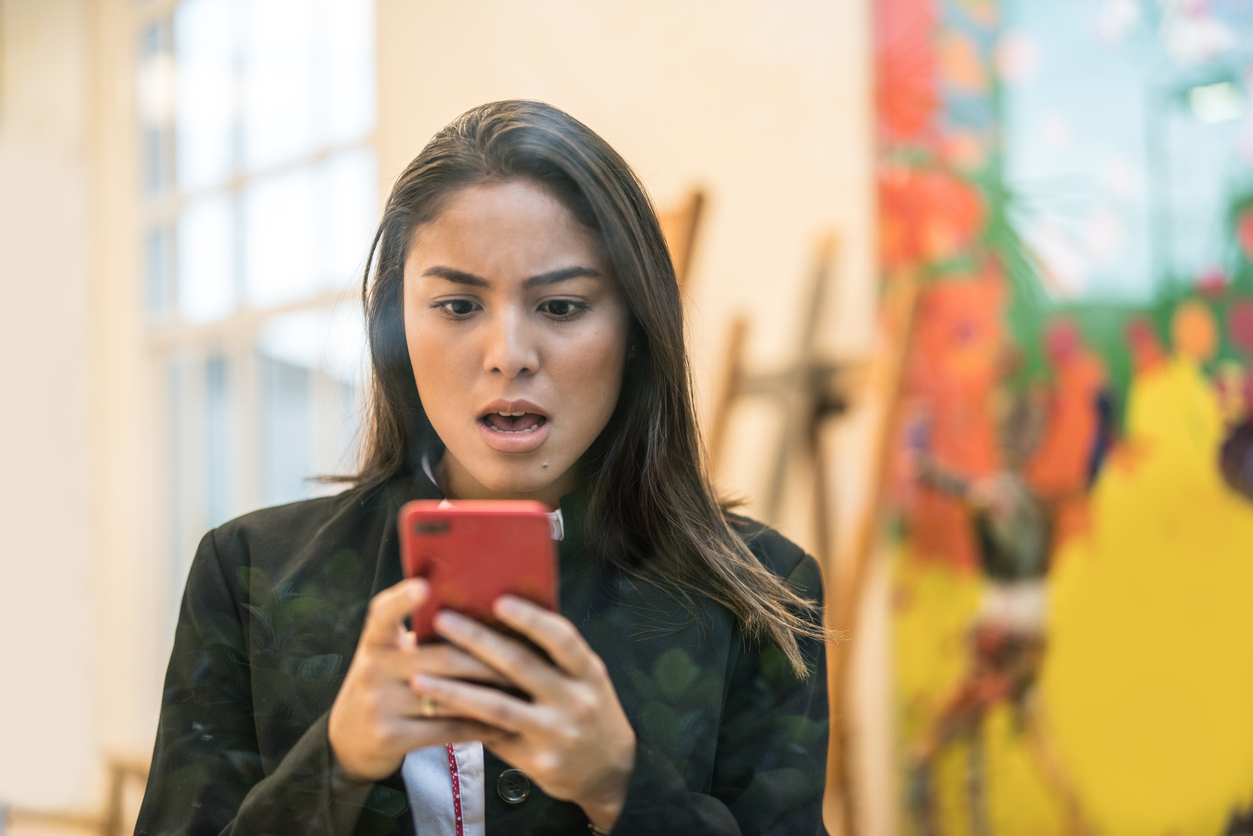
(515, 479)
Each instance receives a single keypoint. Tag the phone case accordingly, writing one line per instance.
(472, 552)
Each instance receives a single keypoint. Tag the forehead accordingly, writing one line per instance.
(500, 229)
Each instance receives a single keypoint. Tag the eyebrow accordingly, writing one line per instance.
(551, 277)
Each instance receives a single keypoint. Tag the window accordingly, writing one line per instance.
(260, 189)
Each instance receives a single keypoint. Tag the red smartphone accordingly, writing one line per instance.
(472, 552)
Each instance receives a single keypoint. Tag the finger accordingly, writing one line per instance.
(398, 700)
(553, 632)
(519, 664)
(384, 622)
(400, 665)
(476, 703)
(452, 662)
(406, 702)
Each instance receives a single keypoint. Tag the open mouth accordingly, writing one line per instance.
(514, 423)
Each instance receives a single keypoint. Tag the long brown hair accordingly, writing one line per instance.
(650, 500)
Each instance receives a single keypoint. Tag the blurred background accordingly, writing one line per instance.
(969, 289)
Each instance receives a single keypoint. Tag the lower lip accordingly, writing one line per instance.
(514, 442)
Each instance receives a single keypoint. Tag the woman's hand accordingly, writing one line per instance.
(376, 717)
(573, 739)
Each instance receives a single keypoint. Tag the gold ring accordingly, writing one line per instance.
(427, 707)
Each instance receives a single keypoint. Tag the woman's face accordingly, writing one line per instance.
(517, 333)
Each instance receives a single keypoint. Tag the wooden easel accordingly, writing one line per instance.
(883, 393)
(680, 228)
(810, 392)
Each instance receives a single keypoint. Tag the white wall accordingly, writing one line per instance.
(48, 666)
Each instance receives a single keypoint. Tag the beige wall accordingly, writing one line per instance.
(83, 625)
(765, 104)
(49, 565)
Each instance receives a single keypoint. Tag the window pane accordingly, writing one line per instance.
(344, 367)
(158, 256)
(349, 201)
(219, 441)
(281, 247)
(313, 363)
(297, 339)
(155, 96)
(204, 450)
(346, 357)
(179, 474)
(278, 82)
(329, 340)
(286, 431)
(347, 68)
(206, 285)
(204, 44)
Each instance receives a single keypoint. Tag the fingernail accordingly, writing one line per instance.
(507, 605)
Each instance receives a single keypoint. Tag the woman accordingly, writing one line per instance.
(527, 343)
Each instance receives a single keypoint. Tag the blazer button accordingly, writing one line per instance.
(513, 786)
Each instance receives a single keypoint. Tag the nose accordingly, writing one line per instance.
(511, 349)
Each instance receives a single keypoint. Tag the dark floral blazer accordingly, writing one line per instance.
(730, 740)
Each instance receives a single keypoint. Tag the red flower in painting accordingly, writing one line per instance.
(925, 216)
(905, 68)
(1244, 232)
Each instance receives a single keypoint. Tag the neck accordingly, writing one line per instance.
(458, 483)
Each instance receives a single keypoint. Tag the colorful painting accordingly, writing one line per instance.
(1072, 554)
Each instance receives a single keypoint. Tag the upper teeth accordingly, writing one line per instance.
(512, 414)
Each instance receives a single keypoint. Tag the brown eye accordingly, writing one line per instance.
(562, 308)
(456, 308)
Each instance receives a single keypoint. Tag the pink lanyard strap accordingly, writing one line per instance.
(456, 788)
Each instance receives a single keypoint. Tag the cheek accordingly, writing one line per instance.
(598, 369)
(435, 369)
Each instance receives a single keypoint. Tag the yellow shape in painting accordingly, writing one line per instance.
(1020, 799)
(933, 606)
(1148, 678)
